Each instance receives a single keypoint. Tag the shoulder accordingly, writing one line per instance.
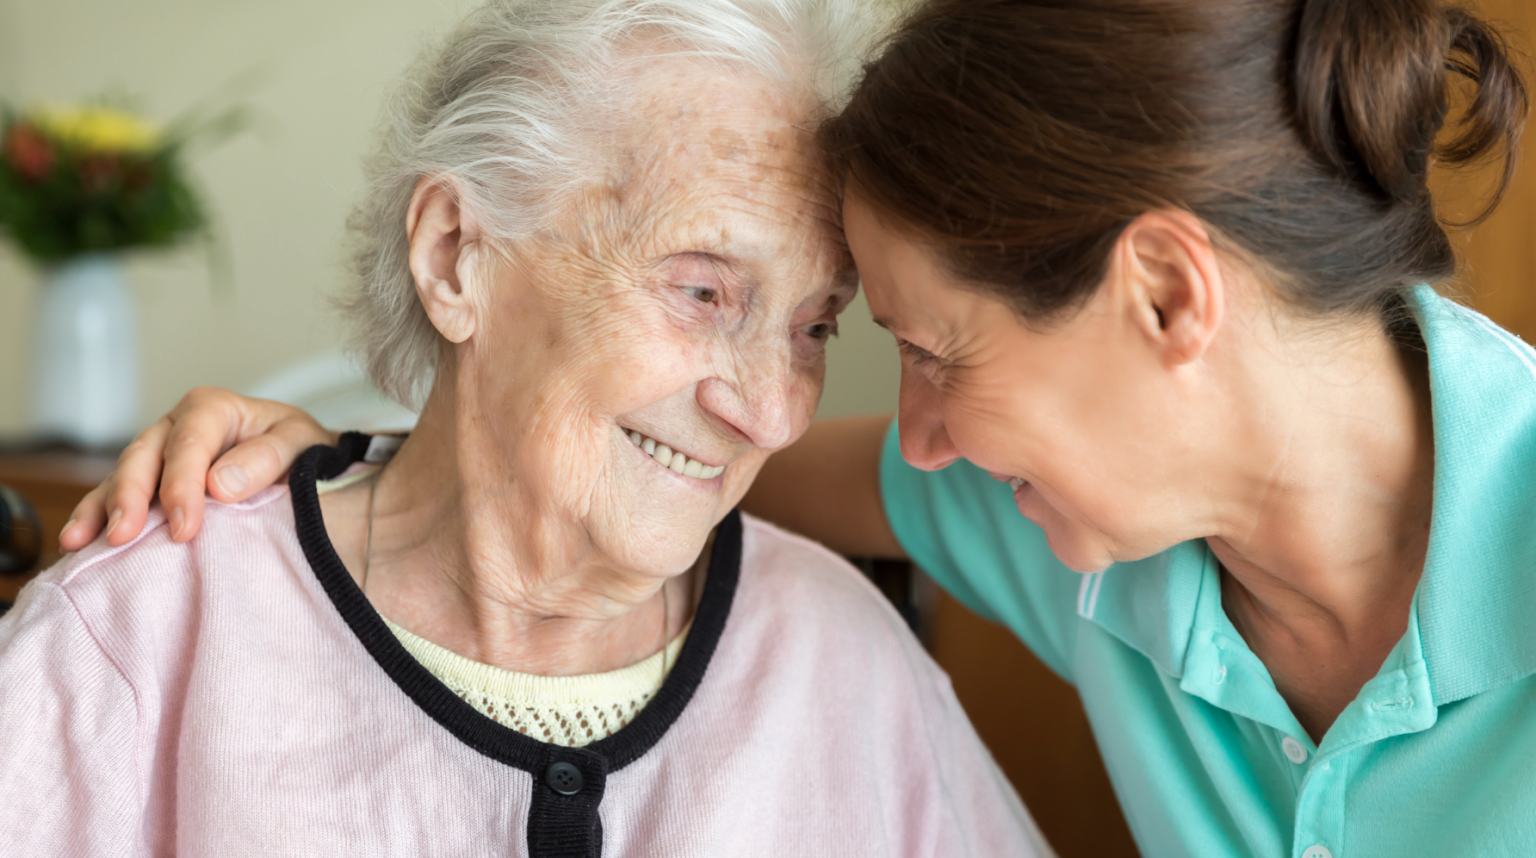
(764, 543)
(138, 590)
(806, 616)
(808, 575)
(799, 604)
(153, 547)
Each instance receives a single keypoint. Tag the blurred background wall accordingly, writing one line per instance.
(280, 192)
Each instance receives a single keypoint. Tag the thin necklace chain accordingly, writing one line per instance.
(666, 608)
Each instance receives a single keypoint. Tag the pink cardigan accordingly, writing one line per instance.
(237, 696)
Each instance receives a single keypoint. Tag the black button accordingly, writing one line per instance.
(563, 778)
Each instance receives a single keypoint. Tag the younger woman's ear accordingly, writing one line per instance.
(444, 240)
(1173, 282)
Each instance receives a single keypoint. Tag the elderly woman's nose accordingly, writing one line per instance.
(756, 403)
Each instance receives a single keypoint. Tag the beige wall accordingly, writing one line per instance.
(281, 194)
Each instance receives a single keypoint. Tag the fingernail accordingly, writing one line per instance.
(67, 526)
(232, 479)
(178, 521)
(117, 516)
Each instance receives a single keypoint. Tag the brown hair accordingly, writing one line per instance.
(1021, 137)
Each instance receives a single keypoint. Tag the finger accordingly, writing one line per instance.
(128, 493)
(205, 423)
(87, 520)
(253, 465)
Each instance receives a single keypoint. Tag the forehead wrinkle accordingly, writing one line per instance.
(708, 210)
(673, 216)
(713, 179)
(758, 143)
(779, 185)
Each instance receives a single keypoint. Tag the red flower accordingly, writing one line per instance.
(29, 154)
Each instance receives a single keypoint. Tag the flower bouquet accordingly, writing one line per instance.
(79, 180)
(78, 187)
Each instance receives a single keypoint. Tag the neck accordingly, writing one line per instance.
(1324, 529)
(465, 555)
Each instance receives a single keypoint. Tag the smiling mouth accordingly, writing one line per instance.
(1014, 483)
(672, 460)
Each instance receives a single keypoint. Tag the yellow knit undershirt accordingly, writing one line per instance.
(563, 710)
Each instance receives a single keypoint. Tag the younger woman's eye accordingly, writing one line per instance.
(917, 354)
(702, 294)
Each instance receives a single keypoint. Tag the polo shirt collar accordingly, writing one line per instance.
(1478, 591)
(1478, 594)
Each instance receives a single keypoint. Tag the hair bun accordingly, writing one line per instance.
(1370, 81)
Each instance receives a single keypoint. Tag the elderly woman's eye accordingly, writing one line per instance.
(702, 294)
(821, 330)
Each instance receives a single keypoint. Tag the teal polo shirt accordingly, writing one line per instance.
(1436, 756)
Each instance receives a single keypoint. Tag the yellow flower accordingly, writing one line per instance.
(96, 129)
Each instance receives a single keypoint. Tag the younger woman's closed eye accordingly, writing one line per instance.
(917, 354)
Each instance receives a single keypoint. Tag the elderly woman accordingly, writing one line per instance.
(600, 244)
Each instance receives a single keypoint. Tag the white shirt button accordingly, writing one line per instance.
(1318, 851)
(1297, 753)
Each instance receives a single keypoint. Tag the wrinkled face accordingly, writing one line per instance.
(643, 360)
(1075, 417)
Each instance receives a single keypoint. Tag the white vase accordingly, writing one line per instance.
(86, 354)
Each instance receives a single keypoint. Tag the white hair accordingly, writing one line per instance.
(499, 105)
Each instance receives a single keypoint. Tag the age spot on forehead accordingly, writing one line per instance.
(727, 144)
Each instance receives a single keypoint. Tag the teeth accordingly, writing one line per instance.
(674, 460)
(1016, 482)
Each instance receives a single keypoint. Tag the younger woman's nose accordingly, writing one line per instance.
(925, 441)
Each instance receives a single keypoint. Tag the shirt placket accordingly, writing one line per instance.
(1220, 669)
(1394, 703)
(1319, 828)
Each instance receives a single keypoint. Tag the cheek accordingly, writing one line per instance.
(804, 395)
(1057, 405)
(633, 358)
(740, 476)
(1077, 535)
(1048, 429)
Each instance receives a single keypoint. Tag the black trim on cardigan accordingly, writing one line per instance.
(558, 825)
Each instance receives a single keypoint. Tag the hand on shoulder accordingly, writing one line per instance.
(214, 441)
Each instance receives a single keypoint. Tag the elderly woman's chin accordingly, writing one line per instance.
(657, 521)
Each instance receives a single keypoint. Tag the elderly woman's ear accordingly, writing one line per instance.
(445, 244)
